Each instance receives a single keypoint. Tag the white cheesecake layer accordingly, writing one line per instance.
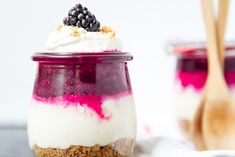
(187, 100)
(58, 126)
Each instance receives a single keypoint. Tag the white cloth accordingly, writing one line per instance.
(165, 147)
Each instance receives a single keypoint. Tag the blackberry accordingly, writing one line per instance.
(80, 16)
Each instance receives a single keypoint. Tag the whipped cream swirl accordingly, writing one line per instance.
(73, 39)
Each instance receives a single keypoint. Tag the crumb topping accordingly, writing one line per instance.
(75, 32)
(58, 29)
(106, 29)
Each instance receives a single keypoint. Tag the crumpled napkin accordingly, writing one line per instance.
(165, 147)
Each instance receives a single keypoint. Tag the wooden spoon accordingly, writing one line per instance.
(218, 120)
(221, 27)
(196, 129)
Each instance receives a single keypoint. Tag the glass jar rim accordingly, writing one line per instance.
(59, 57)
(196, 49)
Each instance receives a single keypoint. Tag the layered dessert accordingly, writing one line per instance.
(190, 78)
(82, 102)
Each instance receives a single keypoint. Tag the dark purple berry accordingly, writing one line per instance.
(73, 20)
(85, 12)
(98, 24)
(94, 17)
(89, 13)
(66, 21)
(85, 23)
(79, 24)
(93, 26)
(88, 29)
(89, 18)
(80, 16)
(78, 6)
(73, 12)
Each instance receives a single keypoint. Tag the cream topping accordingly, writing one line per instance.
(74, 39)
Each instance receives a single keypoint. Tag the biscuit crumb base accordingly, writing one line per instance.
(120, 148)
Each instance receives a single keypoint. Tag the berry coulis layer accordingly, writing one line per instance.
(85, 83)
(103, 79)
(193, 72)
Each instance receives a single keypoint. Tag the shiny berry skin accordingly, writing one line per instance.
(80, 16)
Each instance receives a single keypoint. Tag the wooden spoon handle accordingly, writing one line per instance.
(212, 37)
(221, 27)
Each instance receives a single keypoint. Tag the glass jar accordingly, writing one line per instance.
(82, 106)
(190, 77)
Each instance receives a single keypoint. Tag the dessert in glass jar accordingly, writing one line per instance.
(190, 77)
(82, 103)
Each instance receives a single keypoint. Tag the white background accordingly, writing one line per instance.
(145, 26)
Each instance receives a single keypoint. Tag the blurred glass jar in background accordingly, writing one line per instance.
(190, 77)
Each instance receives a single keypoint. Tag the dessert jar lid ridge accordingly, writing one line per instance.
(77, 57)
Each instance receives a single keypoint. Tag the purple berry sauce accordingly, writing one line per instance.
(84, 78)
(192, 71)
